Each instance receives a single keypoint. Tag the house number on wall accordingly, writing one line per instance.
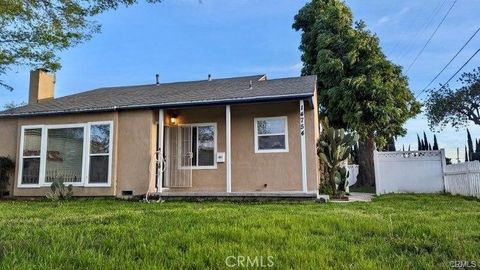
(302, 120)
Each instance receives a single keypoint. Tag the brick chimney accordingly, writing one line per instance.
(42, 86)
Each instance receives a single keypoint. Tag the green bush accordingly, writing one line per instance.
(7, 166)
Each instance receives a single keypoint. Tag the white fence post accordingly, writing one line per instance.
(375, 168)
(444, 165)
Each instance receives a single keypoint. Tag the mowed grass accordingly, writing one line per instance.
(394, 231)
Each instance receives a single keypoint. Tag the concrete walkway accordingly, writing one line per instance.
(360, 197)
(357, 197)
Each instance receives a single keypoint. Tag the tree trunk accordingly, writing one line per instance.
(331, 177)
(366, 170)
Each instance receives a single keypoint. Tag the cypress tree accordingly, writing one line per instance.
(425, 140)
(466, 154)
(419, 143)
(403, 147)
(430, 147)
(409, 147)
(391, 144)
(435, 143)
(470, 145)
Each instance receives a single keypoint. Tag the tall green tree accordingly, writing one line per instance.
(419, 142)
(359, 89)
(425, 141)
(435, 143)
(455, 107)
(34, 31)
(470, 145)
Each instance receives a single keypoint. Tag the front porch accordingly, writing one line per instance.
(228, 161)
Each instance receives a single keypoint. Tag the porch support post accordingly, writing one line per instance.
(303, 151)
(160, 151)
(228, 154)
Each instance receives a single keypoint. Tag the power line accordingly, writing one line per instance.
(451, 60)
(431, 36)
(418, 34)
(455, 74)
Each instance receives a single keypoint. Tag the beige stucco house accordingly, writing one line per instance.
(244, 136)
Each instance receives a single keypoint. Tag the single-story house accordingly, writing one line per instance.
(242, 136)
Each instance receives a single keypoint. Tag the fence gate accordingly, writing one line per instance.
(178, 150)
(409, 171)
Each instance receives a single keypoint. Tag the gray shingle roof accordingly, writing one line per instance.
(178, 94)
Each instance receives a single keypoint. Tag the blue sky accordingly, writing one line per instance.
(188, 39)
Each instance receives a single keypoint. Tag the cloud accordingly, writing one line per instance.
(291, 69)
(383, 20)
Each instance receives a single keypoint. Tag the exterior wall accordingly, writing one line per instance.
(136, 152)
(250, 170)
(59, 120)
(134, 146)
(278, 171)
(211, 180)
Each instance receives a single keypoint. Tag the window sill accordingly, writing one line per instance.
(271, 151)
(66, 184)
(200, 168)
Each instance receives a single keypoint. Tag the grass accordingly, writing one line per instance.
(394, 231)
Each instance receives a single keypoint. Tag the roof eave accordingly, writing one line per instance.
(259, 99)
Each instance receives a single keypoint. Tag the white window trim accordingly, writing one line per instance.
(21, 157)
(214, 166)
(43, 154)
(261, 151)
(88, 155)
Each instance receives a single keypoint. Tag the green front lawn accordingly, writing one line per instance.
(396, 231)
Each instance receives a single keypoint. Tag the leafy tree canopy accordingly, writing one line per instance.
(455, 107)
(34, 31)
(359, 89)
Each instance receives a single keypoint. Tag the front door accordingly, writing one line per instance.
(178, 152)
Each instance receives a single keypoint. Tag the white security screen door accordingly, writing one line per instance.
(178, 142)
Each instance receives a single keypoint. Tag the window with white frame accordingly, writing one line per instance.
(30, 156)
(77, 154)
(99, 154)
(64, 158)
(271, 134)
(204, 141)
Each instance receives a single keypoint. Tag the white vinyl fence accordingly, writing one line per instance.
(352, 174)
(409, 171)
(463, 179)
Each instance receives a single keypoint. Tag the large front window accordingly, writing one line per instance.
(78, 154)
(64, 154)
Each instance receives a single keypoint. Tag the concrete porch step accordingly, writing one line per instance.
(255, 196)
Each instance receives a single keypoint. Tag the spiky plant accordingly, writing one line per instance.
(333, 147)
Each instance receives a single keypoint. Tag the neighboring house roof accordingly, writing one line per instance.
(177, 94)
